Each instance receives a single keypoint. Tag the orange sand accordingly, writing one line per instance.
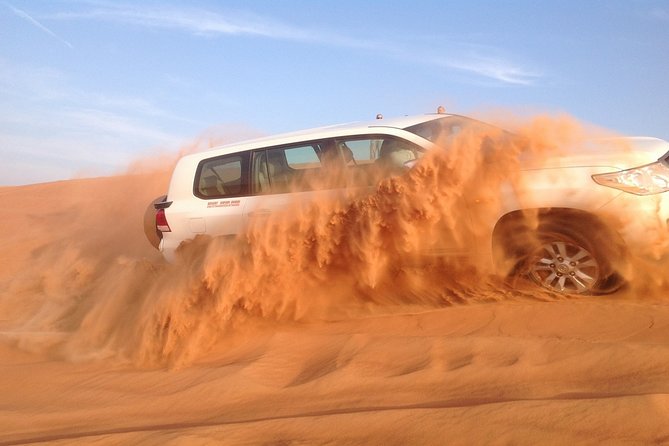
(102, 342)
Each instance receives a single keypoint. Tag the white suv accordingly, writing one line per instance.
(567, 246)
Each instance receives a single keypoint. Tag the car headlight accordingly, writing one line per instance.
(643, 180)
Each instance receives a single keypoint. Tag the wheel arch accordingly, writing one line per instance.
(559, 213)
(515, 233)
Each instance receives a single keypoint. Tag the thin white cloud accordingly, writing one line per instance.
(195, 21)
(484, 62)
(660, 14)
(209, 23)
(108, 123)
(31, 83)
(102, 135)
(24, 15)
(48, 87)
(61, 128)
(60, 143)
(494, 68)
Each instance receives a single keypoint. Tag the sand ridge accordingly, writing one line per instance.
(102, 341)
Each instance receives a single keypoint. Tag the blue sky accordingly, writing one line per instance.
(88, 86)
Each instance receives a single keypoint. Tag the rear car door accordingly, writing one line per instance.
(286, 177)
(222, 183)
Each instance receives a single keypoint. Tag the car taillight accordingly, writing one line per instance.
(161, 221)
(643, 180)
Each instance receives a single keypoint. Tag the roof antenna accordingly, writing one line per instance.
(441, 110)
(379, 116)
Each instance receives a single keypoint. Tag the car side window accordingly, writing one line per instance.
(302, 157)
(329, 163)
(371, 158)
(367, 150)
(360, 151)
(281, 174)
(286, 169)
(223, 176)
(395, 153)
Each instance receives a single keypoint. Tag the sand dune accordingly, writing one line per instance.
(520, 372)
(103, 342)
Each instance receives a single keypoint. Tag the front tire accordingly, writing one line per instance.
(564, 254)
(565, 266)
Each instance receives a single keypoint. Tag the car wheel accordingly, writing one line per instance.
(565, 266)
(564, 257)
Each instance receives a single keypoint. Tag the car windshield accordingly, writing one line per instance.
(446, 128)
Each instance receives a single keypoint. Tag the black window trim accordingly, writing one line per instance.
(247, 156)
(245, 172)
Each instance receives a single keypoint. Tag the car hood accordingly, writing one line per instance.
(617, 153)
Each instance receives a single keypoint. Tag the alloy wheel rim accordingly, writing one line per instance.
(565, 267)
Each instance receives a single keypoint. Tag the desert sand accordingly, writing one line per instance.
(102, 342)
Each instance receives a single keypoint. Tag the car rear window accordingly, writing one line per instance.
(223, 176)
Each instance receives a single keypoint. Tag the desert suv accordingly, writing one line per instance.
(565, 245)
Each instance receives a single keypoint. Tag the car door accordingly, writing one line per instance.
(223, 185)
(378, 156)
(287, 177)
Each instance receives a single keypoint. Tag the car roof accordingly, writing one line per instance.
(351, 128)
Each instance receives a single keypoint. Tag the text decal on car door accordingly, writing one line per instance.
(223, 203)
